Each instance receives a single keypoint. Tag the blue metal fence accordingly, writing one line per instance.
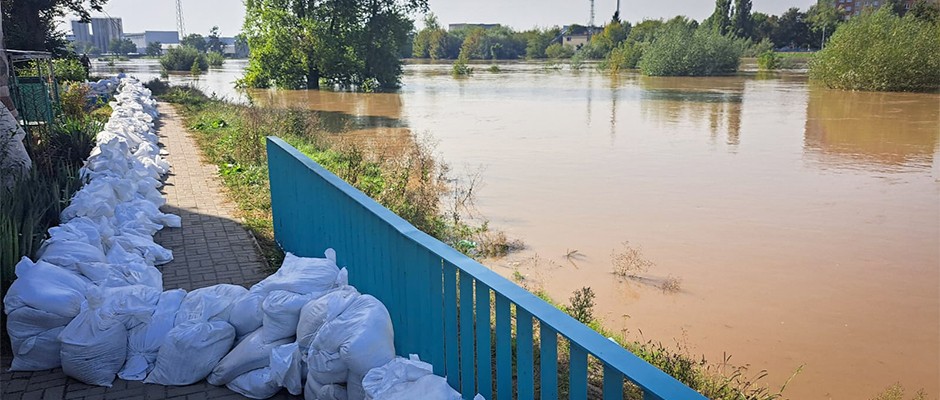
(440, 299)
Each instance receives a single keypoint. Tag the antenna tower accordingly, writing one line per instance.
(591, 24)
(179, 19)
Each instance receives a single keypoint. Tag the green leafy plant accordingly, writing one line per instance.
(215, 59)
(581, 306)
(183, 58)
(768, 60)
(682, 49)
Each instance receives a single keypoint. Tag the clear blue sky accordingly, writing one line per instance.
(200, 15)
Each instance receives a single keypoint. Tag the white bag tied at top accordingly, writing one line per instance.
(144, 340)
(303, 275)
(250, 354)
(318, 311)
(94, 344)
(359, 339)
(430, 387)
(399, 370)
(255, 384)
(287, 368)
(39, 304)
(190, 351)
(212, 303)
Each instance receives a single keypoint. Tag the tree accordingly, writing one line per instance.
(213, 41)
(154, 49)
(741, 23)
(31, 24)
(720, 20)
(763, 26)
(925, 10)
(614, 33)
(791, 29)
(241, 46)
(823, 18)
(295, 43)
(122, 46)
(195, 41)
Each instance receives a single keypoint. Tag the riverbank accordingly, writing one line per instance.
(230, 136)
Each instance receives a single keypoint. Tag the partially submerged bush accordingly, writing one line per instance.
(557, 50)
(768, 60)
(629, 262)
(215, 59)
(881, 52)
(683, 50)
(626, 55)
(183, 58)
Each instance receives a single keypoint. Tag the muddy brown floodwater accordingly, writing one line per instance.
(803, 223)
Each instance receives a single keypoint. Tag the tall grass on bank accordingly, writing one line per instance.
(881, 51)
(406, 180)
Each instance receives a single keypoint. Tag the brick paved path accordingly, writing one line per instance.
(210, 248)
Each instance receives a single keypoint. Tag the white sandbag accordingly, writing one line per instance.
(37, 352)
(256, 384)
(302, 275)
(399, 370)
(94, 344)
(246, 315)
(362, 336)
(318, 311)
(142, 245)
(81, 229)
(430, 387)
(287, 367)
(281, 310)
(190, 351)
(144, 340)
(250, 354)
(354, 389)
(114, 275)
(46, 287)
(212, 303)
(69, 254)
(314, 390)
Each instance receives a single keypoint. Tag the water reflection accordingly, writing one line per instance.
(676, 101)
(872, 130)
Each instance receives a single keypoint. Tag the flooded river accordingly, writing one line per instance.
(802, 223)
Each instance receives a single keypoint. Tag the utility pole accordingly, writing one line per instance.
(179, 19)
(590, 29)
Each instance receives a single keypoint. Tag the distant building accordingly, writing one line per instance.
(141, 40)
(81, 35)
(104, 30)
(854, 8)
(577, 36)
(454, 27)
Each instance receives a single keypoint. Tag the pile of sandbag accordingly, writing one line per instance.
(95, 284)
(94, 303)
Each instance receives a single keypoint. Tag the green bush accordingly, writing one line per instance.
(215, 59)
(557, 50)
(69, 69)
(625, 56)
(183, 58)
(881, 52)
(768, 60)
(682, 50)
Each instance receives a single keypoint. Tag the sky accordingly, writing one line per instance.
(228, 15)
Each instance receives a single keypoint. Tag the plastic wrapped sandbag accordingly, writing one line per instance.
(354, 389)
(46, 287)
(281, 313)
(81, 229)
(251, 353)
(190, 351)
(36, 352)
(399, 370)
(287, 368)
(142, 245)
(361, 338)
(94, 344)
(70, 254)
(303, 275)
(210, 303)
(114, 275)
(256, 384)
(430, 387)
(318, 311)
(144, 340)
(246, 315)
(314, 390)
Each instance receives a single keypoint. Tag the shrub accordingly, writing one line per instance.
(768, 60)
(183, 58)
(215, 59)
(629, 262)
(582, 305)
(557, 50)
(625, 56)
(682, 50)
(881, 52)
(73, 99)
(69, 69)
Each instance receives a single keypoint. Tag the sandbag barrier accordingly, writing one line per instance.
(93, 303)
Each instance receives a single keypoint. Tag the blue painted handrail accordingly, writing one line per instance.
(440, 300)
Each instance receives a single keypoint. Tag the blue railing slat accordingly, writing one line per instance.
(484, 355)
(524, 355)
(613, 384)
(467, 362)
(450, 325)
(577, 373)
(503, 349)
(436, 312)
(308, 205)
(548, 362)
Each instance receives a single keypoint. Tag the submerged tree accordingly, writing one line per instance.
(296, 43)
